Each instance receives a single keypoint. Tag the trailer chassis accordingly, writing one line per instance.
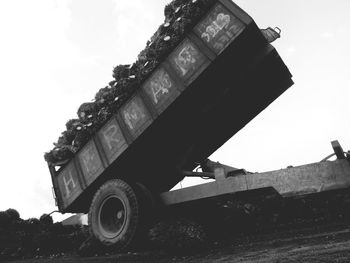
(290, 182)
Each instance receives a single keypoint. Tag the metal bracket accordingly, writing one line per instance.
(54, 196)
(214, 170)
(208, 175)
(338, 150)
(271, 34)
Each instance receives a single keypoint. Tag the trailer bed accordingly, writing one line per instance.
(210, 89)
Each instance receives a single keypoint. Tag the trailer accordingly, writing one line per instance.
(222, 75)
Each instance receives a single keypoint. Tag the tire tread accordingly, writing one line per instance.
(134, 223)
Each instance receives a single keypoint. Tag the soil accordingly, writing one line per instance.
(314, 229)
(320, 242)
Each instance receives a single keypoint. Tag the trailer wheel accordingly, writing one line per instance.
(114, 215)
(147, 200)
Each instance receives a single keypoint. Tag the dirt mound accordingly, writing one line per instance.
(33, 237)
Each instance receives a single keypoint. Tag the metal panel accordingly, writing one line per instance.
(136, 116)
(219, 28)
(90, 162)
(112, 140)
(161, 89)
(306, 179)
(69, 184)
(311, 178)
(188, 61)
(215, 188)
(235, 9)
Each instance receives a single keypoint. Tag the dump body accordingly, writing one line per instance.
(214, 82)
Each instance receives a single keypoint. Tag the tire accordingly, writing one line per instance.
(147, 201)
(114, 215)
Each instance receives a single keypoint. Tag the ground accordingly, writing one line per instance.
(313, 242)
(311, 229)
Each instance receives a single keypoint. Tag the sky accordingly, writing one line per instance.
(56, 54)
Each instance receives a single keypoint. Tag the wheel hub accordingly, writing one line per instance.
(112, 217)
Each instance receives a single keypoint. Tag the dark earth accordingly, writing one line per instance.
(314, 243)
(315, 229)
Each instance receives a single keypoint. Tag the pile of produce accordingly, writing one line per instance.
(180, 18)
(36, 237)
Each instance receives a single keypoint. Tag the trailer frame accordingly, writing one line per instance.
(290, 182)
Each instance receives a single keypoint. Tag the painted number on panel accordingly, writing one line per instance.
(187, 59)
(219, 28)
(135, 114)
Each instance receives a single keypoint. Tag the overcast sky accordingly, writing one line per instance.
(56, 54)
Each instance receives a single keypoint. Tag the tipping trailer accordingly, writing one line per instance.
(212, 84)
